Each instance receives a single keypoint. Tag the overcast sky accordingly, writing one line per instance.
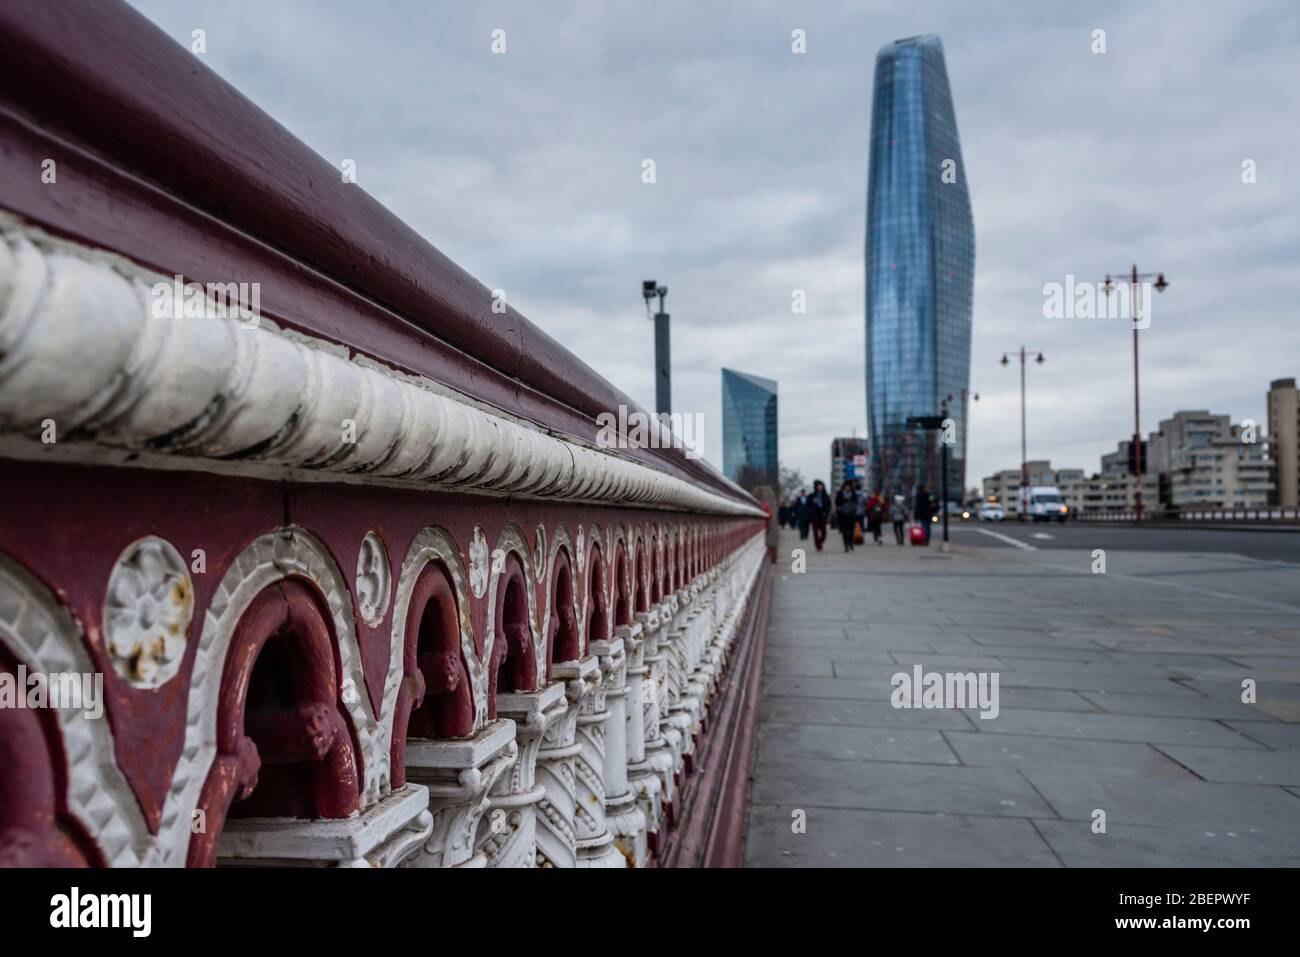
(525, 168)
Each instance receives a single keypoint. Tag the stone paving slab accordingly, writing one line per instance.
(1127, 846)
(812, 782)
(1175, 706)
(779, 685)
(1116, 727)
(1238, 764)
(1277, 735)
(838, 743)
(1177, 803)
(862, 714)
(1118, 691)
(1044, 678)
(1023, 753)
(850, 838)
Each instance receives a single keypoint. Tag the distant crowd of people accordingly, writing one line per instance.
(856, 513)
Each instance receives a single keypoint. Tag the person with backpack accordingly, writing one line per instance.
(846, 512)
(875, 516)
(898, 515)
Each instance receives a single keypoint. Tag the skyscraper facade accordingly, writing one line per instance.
(749, 453)
(920, 260)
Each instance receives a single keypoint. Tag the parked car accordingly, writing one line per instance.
(991, 512)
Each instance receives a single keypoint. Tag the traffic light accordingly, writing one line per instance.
(1137, 457)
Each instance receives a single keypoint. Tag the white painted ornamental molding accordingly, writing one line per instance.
(81, 350)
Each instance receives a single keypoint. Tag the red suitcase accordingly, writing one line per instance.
(917, 535)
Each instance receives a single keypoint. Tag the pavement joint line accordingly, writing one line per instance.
(1020, 772)
(956, 763)
(1192, 772)
(908, 810)
(1043, 837)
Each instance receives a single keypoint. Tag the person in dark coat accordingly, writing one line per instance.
(923, 509)
(802, 513)
(846, 512)
(819, 510)
(875, 516)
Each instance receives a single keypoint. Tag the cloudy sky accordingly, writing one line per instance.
(525, 168)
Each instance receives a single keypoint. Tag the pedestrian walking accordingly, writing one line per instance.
(802, 513)
(875, 516)
(846, 512)
(898, 515)
(923, 510)
(819, 511)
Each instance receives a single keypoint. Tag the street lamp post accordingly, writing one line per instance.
(965, 409)
(663, 369)
(1138, 464)
(1022, 506)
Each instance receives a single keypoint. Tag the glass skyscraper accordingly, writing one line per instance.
(749, 430)
(920, 269)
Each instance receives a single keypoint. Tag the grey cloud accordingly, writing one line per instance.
(524, 168)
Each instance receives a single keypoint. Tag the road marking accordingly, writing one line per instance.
(1184, 586)
(1043, 535)
(1025, 546)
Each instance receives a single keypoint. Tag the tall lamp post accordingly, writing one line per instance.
(663, 370)
(1138, 453)
(1022, 504)
(965, 410)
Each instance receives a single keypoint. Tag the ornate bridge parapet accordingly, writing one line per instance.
(320, 550)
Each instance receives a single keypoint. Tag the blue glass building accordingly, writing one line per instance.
(920, 260)
(749, 456)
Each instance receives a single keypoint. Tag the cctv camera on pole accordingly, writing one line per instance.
(663, 373)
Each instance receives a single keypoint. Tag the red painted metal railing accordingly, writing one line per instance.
(350, 580)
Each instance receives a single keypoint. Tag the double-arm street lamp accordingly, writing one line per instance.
(1135, 278)
(1022, 497)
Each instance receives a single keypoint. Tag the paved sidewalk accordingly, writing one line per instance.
(1118, 692)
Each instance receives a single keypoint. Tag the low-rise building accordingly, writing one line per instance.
(1205, 461)
(1004, 487)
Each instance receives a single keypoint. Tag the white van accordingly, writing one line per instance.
(1043, 503)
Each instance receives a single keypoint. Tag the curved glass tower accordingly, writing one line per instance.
(920, 268)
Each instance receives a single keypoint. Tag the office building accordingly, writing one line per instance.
(920, 263)
(749, 452)
(848, 461)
